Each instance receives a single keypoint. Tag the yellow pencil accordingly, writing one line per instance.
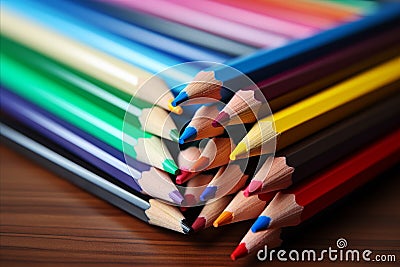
(99, 65)
(320, 110)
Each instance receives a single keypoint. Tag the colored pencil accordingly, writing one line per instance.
(80, 112)
(320, 150)
(86, 59)
(248, 104)
(202, 118)
(229, 178)
(137, 112)
(212, 83)
(310, 19)
(144, 208)
(309, 198)
(214, 154)
(193, 189)
(274, 38)
(175, 30)
(140, 35)
(200, 20)
(243, 208)
(314, 195)
(79, 29)
(186, 158)
(320, 110)
(255, 20)
(136, 175)
(210, 212)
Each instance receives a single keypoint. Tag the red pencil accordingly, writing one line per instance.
(293, 206)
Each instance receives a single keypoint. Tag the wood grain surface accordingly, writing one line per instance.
(47, 221)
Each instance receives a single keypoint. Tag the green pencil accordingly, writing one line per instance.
(91, 118)
(141, 114)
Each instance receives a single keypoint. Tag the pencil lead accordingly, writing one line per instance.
(199, 224)
(176, 197)
(253, 187)
(174, 109)
(240, 149)
(170, 166)
(224, 218)
(201, 163)
(183, 177)
(180, 98)
(208, 193)
(221, 119)
(188, 134)
(183, 209)
(189, 200)
(262, 223)
(186, 228)
(239, 252)
(174, 134)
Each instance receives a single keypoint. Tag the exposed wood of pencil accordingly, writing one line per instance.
(295, 205)
(214, 154)
(210, 212)
(243, 208)
(320, 110)
(103, 67)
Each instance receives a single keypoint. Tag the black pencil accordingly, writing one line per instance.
(94, 181)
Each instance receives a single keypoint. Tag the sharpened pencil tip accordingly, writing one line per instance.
(239, 252)
(188, 134)
(254, 186)
(176, 197)
(170, 166)
(186, 228)
(221, 119)
(180, 98)
(224, 218)
(199, 224)
(174, 134)
(208, 193)
(183, 177)
(262, 223)
(174, 109)
(240, 149)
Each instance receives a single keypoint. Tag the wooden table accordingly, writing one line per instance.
(47, 221)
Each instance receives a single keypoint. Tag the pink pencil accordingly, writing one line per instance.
(181, 14)
(252, 19)
(288, 15)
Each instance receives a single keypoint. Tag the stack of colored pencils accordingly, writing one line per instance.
(303, 110)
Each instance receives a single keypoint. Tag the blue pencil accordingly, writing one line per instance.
(221, 82)
(136, 54)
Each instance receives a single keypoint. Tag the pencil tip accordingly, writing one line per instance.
(188, 134)
(254, 186)
(170, 166)
(262, 223)
(174, 109)
(176, 197)
(201, 163)
(208, 193)
(180, 98)
(239, 252)
(174, 134)
(186, 228)
(183, 177)
(199, 224)
(240, 149)
(189, 200)
(221, 119)
(224, 218)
